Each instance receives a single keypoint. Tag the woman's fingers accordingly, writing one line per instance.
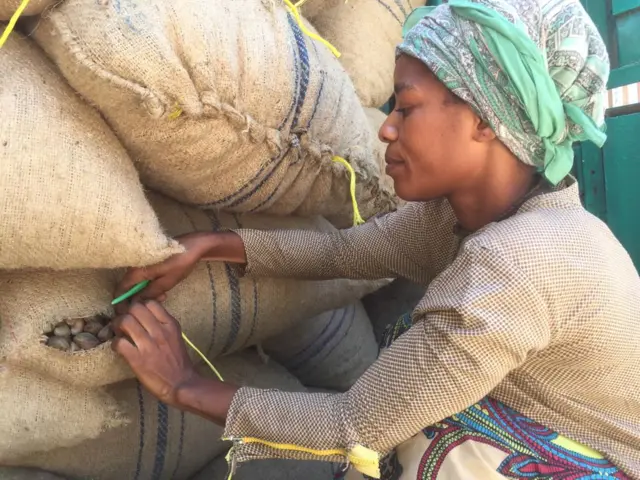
(147, 319)
(131, 279)
(124, 347)
(156, 290)
(129, 326)
(161, 314)
(154, 349)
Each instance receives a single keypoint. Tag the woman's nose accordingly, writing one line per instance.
(388, 132)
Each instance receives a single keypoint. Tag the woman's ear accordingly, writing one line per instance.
(484, 133)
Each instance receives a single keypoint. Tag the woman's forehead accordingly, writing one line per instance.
(412, 74)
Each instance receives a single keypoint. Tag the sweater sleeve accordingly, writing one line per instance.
(480, 319)
(415, 242)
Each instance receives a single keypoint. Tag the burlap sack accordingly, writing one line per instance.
(226, 105)
(366, 33)
(39, 412)
(158, 442)
(219, 311)
(69, 195)
(329, 351)
(312, 8)
(17, 473)
(8, 8)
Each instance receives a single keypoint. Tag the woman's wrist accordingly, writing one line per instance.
(221, 246)
(206, 397)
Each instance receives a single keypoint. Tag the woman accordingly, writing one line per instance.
(521, 359)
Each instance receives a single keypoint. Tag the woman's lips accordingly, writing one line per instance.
(393, 166)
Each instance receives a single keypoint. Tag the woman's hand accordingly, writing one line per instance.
(224, 246)
(150, 341)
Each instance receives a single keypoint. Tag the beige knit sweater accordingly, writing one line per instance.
(541, 311)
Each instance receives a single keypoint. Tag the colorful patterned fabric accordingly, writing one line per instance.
(536, 70)
(496, 440)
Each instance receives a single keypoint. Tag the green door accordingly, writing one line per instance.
(610, 178)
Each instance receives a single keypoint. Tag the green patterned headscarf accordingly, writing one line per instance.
(535, 70)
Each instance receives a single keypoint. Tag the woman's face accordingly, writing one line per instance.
(436, 144)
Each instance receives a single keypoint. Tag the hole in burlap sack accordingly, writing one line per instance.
(78, 334)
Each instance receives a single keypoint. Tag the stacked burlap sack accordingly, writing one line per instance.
(226, 106)
(223, 105)
(366, 33)
(152, 440)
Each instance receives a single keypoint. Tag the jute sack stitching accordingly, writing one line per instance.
(69, 194)
(219, 311)
(39, 412)
(157, 442)
(224, 105)
(366, 33)
(329, 351)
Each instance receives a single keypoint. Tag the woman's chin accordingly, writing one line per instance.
(407, 192)
(403, 191)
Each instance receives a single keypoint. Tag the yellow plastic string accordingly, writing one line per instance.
(296, 15)
(12, 23)
(363, 459)
(206, 360)
(357, 219)
(177, 111)
(228, 459)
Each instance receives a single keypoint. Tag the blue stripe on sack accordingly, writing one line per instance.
(400, 5)
(381, 2)
(276, 190)
(296, 73)
(296, 104)
(236, 308)
(180, 447)
(304, 66)
(275, 163)
(321, 341)
(254, 318)
(272, 163)
(327, 353)
(141, 432)
(161, 440)
(214, 307)
(316, 103)
(303, 56)
(234, 288)
(299, 358)
(212, 286)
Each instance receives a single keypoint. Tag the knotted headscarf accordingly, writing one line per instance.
(535, 70)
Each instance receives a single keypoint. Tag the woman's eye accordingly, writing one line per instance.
(403, 111)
